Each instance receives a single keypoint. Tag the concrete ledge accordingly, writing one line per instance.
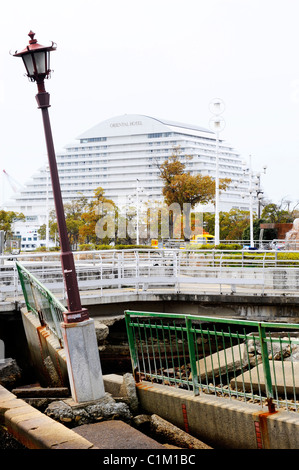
(221, 422)
(35, 430)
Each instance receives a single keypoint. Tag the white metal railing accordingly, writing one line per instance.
(179, 270)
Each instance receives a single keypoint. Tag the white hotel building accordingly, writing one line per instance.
(119, 151)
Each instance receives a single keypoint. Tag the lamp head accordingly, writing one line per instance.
(36, 59)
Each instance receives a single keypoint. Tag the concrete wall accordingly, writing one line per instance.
(280, 308)
(247, 307)
(221, 422)
(42, 347)
(34, 429)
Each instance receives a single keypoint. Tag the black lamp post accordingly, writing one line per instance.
(36, 59)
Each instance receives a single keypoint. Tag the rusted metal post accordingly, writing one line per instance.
(76, 312)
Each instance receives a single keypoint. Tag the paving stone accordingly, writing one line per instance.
(116, 435)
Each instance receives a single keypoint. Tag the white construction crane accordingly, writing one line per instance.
(15, 185)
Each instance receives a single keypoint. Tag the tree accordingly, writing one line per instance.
(7, 218)
(185, 189)
(100, 214)
(268, 233)
(73, 218)
(273, 213)
(231, 223)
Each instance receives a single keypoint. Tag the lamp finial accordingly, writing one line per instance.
(31, 34)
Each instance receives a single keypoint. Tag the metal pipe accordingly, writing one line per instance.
(75, 311)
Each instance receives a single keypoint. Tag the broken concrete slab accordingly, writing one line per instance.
(171, 434)
(220, 362)
(285, 378)
(54, 379)
(128, 390)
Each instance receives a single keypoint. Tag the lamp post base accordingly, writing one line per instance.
(83, 361)
(75, 317)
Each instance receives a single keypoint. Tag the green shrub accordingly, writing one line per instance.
(86, 247)
(41, 248)
(91, 246)
(221, 246)
(228, 246)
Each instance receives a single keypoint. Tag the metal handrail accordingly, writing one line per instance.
(94, 269)
(41, 302)
(247, 360)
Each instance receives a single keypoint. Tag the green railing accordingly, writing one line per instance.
(246, 360)
(40, 301)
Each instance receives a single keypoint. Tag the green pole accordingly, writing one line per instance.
(266, 367)
(190, 339)
(132, 346)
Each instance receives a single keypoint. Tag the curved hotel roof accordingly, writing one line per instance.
(117, 152)
(137, 124)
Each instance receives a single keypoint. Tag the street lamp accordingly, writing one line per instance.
(253, 192)
(36, 59)
(47, 207)
(259, 191)
(139, 192)
(217, 125)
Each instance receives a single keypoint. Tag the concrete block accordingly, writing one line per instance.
(113, 384)
(83, 361)
(21, 413)
(217, 421)
(218, 363)
(286, 378)
(283, 430)
(53, 435)
(76, 443)
(5, 394)
(9, 404)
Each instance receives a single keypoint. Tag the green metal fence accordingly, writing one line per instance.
(40, 301)
(246, 360)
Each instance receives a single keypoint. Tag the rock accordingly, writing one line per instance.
(81, 417)
(10, 373)
(276, 350)
(142, 422)
(108, 408)
(60, 411)
(295, 354)
(102, 331)
(128, 389)
(105, 408)
(173, 435)
(52, 372)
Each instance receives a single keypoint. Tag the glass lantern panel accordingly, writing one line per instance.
(40, 62)
(29, 64)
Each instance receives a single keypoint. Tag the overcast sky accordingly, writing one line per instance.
(163, 58)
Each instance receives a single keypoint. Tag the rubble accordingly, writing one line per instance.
(10, 373)
(74, 414)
